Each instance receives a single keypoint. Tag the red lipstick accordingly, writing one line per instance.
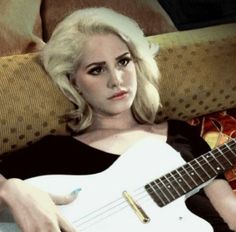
(118, 95)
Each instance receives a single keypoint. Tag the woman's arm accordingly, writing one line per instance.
(33, 209)
(223, 199)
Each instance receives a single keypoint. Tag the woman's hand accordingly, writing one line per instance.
(33, 209)
(223, 199)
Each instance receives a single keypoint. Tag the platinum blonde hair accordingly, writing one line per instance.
(61, 56)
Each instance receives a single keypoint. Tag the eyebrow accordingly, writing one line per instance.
(124, 54)
(103, 62)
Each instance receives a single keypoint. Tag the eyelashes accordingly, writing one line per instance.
(96, 70)
(122, 63)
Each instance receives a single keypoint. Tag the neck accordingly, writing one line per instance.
(123, 121)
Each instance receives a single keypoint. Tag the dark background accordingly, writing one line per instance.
(190, 14)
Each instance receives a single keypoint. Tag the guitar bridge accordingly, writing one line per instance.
(137, 209)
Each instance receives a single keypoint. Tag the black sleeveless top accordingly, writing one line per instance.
(57, 154)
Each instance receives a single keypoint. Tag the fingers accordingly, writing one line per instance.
(65, 225)
(66, 199)
(61, 200)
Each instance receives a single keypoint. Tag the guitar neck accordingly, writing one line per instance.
(195, 173)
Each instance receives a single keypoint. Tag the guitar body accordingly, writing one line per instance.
(100, 206)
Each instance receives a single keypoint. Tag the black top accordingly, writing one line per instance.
(66, 155)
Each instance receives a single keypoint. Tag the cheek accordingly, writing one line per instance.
(90, 90)
(83, 84)
(131, 73)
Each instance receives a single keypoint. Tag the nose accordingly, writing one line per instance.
(115, 79)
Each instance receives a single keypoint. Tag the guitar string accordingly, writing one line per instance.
(121, 203)
(134, 195)
(77, 221)
(105, 214)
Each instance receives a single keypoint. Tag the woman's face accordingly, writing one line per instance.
(106, 76)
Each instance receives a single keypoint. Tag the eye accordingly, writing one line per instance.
(96, 70)
(124, 61)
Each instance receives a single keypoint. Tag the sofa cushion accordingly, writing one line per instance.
(198, 77)
(30, 104)
(197, 71)
(149, 14)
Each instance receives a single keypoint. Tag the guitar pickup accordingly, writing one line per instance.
(137, 209)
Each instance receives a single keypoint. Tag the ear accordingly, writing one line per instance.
(77, 88)
(72, 79)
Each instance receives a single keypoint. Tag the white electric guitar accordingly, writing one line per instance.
(135, 193)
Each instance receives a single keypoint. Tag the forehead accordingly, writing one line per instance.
(100, 46)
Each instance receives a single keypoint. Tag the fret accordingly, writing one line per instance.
(219, 150)
(188, 177)
(215, 157)
(195, 174)
(168, 187)
(155, 196)
(227, 149)
(214, 162)
(201, 165)
(222, 159)
(184, 179)
(195, 166)
(192, 174)
(158, 189)
(163, 189)
(207, 159)
(230, 150)
(172, 186)
(176, 184)
(178, 179)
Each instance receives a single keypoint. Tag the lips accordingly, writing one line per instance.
(118, 95)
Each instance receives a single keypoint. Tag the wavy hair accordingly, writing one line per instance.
(61, 57)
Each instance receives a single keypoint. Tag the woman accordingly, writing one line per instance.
(102, 62)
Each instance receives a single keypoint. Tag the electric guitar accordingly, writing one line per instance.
(143, 191)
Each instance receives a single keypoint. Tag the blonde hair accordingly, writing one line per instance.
(61, 57)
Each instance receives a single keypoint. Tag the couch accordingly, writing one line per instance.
(198, 71)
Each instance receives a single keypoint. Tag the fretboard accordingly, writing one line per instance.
(195, 173)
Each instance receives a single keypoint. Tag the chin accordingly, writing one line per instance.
(118, 110)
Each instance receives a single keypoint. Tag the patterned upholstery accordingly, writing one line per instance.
(198, 70)
(30, 103)
(198, 77)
